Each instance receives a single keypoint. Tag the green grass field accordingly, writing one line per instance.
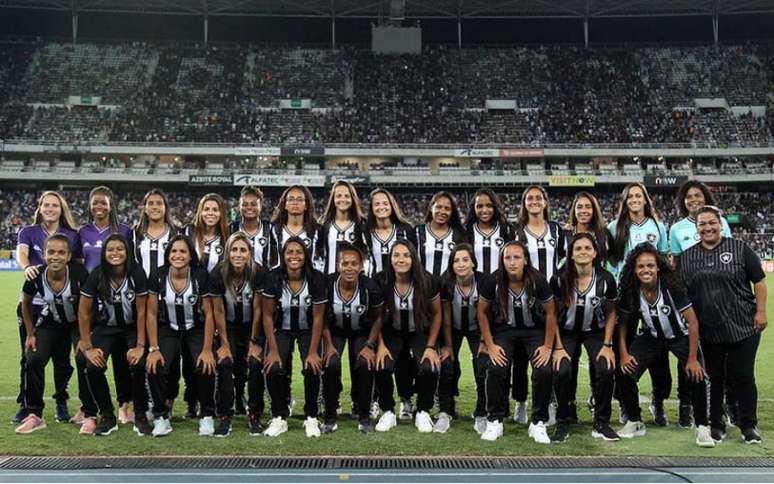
(63, 439)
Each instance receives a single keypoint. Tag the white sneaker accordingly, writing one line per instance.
(632, 429)
(443, 423)
(312, 427)
(480, 425)
(704, 437)
(538, 433)
(520, 413)
(206, 426)
(277, 426)
(551, 415)
(423, 422)
(386, 422)
(161, 426)
(406, 410)
(494, 430)
(374, 414)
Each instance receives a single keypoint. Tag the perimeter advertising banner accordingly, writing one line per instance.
(571, 181)
(210, 179)
(664, 181)
(521, 153)
(312, 151)
(280, 180)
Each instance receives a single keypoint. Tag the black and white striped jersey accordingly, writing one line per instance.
(238, 306)
(120, 309)
(293, 310)
(213, 249)
(486, 246)
(402, 318)
(184, 309)
(260, 240)
(523, 311)
(57, 308)
(380, 248)
(719, 285)
(149, 252)
(433, 251)
(334, 236)
(463, 307)
(352, 315)
(546, 250)
(663, 318)
(587, 309)
(281, 234)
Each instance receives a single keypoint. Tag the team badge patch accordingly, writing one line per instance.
(666, 310)
(552, 242)
(262, 241)
(307, 243)
(594, 301)
(726, 257)
(360, 309)
(219, 250)
(193, 298)
(351, 236)
(308, 301)
(129, 295)
(499, 242)
(451, 245)
(652, 238)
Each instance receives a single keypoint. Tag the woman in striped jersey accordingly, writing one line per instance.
(209, 230)
(487, 229)
(52, 216)
(516, 311)
(586, 295)
(293, 312)
(653, 293)
(152, 233)
(637, 222)
(111, 316)
(179, 315)
(343, 221)
(386, 224)
(690, 198)
(236, 285)
(294, 217)
(586, 217)
(413, 320)
(250, 223)
(544, 240)
(353, 316)
(50, 312)
(439, 234)
(459, 300)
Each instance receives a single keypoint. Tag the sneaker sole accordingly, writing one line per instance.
(597, 435)
(140, 433)
(220, 436)
(706, 445)
(636, 434)
(107, 432)
(207, 434)
(163, 434)
(27, 432)
(752, 442)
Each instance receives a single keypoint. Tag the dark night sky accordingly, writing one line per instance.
(123, 26)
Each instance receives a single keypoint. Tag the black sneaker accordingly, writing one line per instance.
(223, 428)
(329, 427)
(657, 410)
(62, 413)
(254, 424)
(573, 416)
(365, 427)
(141, 425)
(192, 412)
(605, 432)
(686, 416)
(355, 415)
(718, 434)
(750, 435)
(107, 425)
(239, 406)
(561, 433)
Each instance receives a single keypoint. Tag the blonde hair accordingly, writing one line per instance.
(66, 218)
(227, 270)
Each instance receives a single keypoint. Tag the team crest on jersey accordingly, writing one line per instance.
(499, 242)
(451, 245)
(726, 257)
(308, 301)
(666, 310)
(164, 245)
(307, 243)
(262, 241)
(552, 242)
(652, 238)
(439, 246)
(71, 299)
(595, 301)
(360, 309)
(696, 236)
(219, 250)
(351, 236)
(192, 299)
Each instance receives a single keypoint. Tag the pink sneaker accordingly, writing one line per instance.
(77, 419)
(31, 424)
(89, 426)
(125, 414)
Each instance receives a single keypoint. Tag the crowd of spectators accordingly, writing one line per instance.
(17, 208)
(231, 94)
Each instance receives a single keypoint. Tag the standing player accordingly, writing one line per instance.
(293, 312)
(91, 240)
(48, 324)
(413, 320)
(257, 230)
(294, 217)
(111, 316)
(487, 229)
(719, 271)
(209, 230)
(652, 292)
(439, 234)
(638, 222)
(353, 316)
(516, 310)
(586, 294)
(52, 216)
(386, 224)
(343, 221)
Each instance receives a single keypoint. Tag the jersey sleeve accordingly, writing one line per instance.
(217, 288)
(318, 291)
(433, 290)
(24, 237)
(140, 282)
(89, 288)
(154, 284)
(30, 288)
(272, 287)
(752, 265)
(259, 279)
(674, 242)
(543, 291)
(663, 242)
(205, 282)
(486, 289)
(78, 273)
(556, 288)
(611, 228)
(611, 290)
(681, 300)
(375, 294)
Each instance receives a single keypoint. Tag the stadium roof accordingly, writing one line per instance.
(413, 8)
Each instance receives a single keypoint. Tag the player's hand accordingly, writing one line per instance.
(497, 355)
(541, 356)
(607, 353)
